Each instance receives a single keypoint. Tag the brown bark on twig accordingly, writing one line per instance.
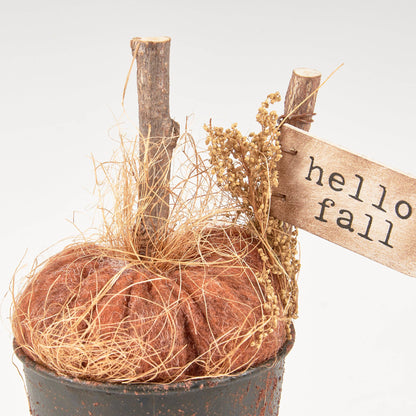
(304, 81)
(158, 132)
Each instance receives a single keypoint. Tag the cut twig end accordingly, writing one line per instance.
(150, 39)
(301, 96)
(307, 73)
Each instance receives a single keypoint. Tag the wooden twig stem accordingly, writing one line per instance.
(158, 132)
(304, 81)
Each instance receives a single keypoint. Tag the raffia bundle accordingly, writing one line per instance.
(213, 292)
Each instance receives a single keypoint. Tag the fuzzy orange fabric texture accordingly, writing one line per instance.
(91, 314)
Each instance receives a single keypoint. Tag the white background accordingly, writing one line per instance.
(63, 67)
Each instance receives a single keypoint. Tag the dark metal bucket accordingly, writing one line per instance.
(255, 392)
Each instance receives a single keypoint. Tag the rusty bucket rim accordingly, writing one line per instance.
(148, 387)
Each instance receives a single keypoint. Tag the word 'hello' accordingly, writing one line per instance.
(336, 181)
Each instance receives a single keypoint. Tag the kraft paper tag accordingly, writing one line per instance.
(347, 199)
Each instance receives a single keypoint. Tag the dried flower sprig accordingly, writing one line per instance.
(247, 168)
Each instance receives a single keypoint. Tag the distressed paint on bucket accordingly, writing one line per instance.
(255, 392)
